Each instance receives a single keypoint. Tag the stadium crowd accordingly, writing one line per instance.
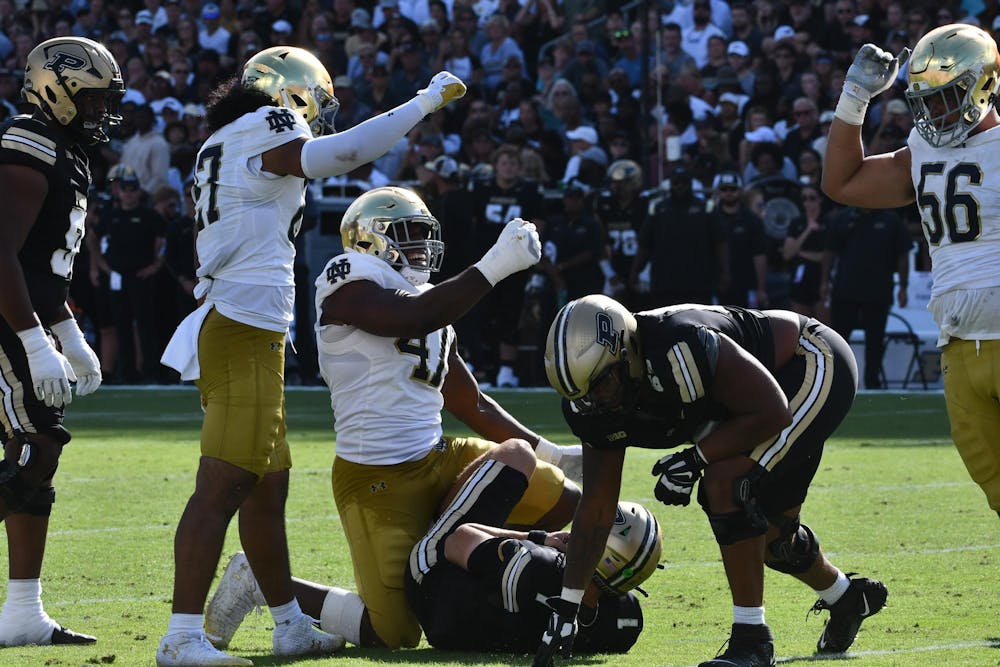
(720, 109)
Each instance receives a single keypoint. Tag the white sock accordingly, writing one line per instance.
(287, 612)
(748, 615)
(836, 591)
(342, 614)
(186, 623)
(24, 601)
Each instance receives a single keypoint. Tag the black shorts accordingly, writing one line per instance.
(806, 276)
(20, 412)
(820, 382)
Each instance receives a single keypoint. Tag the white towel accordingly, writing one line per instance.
(181, 353)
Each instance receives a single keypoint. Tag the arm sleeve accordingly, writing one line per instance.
(340, 153)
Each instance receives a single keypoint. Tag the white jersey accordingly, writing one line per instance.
(248, 218)
(958, 193)
(385, 392)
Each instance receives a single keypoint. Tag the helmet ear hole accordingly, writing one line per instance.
(51, 94)
(298, 101)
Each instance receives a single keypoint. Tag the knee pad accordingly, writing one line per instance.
(24, 475)
(794, 551)
(732, 527)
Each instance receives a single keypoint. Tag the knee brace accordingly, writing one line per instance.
(24, 475)
(732, 527)
(794, 551)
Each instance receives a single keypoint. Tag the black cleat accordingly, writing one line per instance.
(61, 635)
(749, 646)
(863, 598)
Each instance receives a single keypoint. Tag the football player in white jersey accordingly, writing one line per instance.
(387, 351)
(949, 167)
(269, 128)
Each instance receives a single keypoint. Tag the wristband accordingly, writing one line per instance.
(33, 339)
(853, 105)
(548, 451)
(67, 330)
(537, 536)
(572, 595)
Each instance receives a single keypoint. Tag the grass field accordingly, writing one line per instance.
(891, 500)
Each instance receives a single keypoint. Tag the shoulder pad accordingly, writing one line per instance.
(26, 140)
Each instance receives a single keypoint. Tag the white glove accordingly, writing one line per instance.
(81, 357)
(569, 458)
(50, 371)
(517, 248)
(872, 72)
(442, 89)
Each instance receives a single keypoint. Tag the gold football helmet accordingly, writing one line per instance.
(297, 80)
(625, 176)
(58, 74)
(396, 226)
(589, 354)
(632, 552)
(953, 77)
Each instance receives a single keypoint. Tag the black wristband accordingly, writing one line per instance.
(537, 536)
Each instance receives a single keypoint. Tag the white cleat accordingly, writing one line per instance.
(192, 649)
(302, 637)
(236, 596)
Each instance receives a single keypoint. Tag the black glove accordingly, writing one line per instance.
(678, 472)
(559, 635)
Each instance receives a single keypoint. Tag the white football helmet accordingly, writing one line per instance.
(395, 225)
(633, 550)
(953, 77)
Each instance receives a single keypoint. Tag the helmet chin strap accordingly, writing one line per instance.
(415, 277)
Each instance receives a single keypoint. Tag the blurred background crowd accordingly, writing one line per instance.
(671, 151)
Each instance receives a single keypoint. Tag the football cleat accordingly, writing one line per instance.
(235, 596)
(749, 646)
(44, 632)
(863, 598)
(193, 649)
(302, 637)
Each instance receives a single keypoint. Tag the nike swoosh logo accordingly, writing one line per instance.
(867, 609)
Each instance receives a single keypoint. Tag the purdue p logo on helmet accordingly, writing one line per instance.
(632, 552)
(588, 338)
(58, 70)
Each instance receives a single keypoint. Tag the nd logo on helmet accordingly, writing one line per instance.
(62, 60)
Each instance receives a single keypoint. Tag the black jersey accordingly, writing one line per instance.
(679, 353)
(54, 239)
(622, 225)
(494, 206)
(505, 610)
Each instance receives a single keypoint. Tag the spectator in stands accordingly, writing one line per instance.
(573, 246)
(352, 111)
(687, 250)
(805, 130)
(454, 56)
(864, 249)
(411, 72)
(673, 56)
(131, 257)
(747, 244)
(802, 252)
(146, 151)
(179, 254)
(495, 52)
(212, 35)
(702, 29)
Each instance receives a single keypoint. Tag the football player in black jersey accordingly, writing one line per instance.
(757, 393)
(75, 85)
(621, 209)
(504, 197)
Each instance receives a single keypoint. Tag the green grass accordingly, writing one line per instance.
(891, 500)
